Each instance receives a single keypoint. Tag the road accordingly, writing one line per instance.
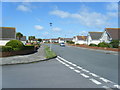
(73, 68)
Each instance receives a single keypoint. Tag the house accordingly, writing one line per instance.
(45, 40)
(68, 39)
(23, 40)
(54, 40)
(61, 40)
(94, 38)
(7, 34)
(79, 39)
(110, 34)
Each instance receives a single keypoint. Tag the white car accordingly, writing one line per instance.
(62, 44)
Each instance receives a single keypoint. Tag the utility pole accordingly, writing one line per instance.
(51, 38)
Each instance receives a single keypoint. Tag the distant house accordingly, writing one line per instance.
(110, 34)
(68, 39)
(94, 37)
(45, 40)
(7, 34)
(79, 39)
(23, 40)
(54, 40)
(61, 40)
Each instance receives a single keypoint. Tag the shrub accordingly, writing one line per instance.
(115, 43)
(15, 44)
(103, 44)
(29, 47)
(77, 44)
(6, 48)
(70, 42)
(93, 45)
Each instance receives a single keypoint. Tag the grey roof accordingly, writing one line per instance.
(7, 33)
(114, 33)
(23, 38)
(95, 35)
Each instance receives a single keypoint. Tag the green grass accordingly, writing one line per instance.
(49, 54)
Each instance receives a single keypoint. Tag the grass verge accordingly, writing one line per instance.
(49, 54)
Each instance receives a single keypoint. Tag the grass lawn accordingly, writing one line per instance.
(49, 54)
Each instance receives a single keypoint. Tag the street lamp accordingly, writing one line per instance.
(51, 38)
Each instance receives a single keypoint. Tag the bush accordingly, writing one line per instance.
(28, 47)
(115, 43)
(15, 44)
(70, 42)
(77, 44)
(6, 48)
(93, 45)
(103, 44)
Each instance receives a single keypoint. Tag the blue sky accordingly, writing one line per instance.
(68, 18)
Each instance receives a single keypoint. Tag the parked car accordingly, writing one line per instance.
(62, 44)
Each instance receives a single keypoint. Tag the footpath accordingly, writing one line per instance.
(24, 59)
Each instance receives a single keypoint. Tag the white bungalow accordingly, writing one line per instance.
(79, 39)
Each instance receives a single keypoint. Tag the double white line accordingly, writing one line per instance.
(90, 76)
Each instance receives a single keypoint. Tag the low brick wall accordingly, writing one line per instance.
(13, 53)
(100, 48)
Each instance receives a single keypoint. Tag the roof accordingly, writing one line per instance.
(45, 39)
(23, 38)
(68, 39)
(55, 39)
(82, 37)
(95, 35)
(7, 33)
(114, 33)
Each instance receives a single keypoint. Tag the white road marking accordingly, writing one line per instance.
(66, 63)
(107, 88)
(85, 70)
(86, 76)
(105, 80)
(95, 81)
(94, 75)
(77, 71)
(74, 64)
(71, 67)
(79, 67)
(117, 86)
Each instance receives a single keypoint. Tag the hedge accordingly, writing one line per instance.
(115, 43)
(103, 44)
(94, 45)
(15, 44)
(6, 48)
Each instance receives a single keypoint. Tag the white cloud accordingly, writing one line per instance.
(112, 6)
(89, 19)
(23, 8)
(113, 14)
(38, 27)
(60, 13)
(56, 29)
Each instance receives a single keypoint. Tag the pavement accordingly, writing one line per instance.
(73, 68)
(22, 59)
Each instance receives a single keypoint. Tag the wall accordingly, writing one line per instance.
(3, 42)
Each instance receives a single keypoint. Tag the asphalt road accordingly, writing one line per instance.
(59, 73)
(100, 63)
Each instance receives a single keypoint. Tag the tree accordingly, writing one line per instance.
(39, 39)
(19, 35)
(31, 37)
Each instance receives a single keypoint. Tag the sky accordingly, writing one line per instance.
(68, 18)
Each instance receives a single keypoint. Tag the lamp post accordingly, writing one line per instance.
(51, 38)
